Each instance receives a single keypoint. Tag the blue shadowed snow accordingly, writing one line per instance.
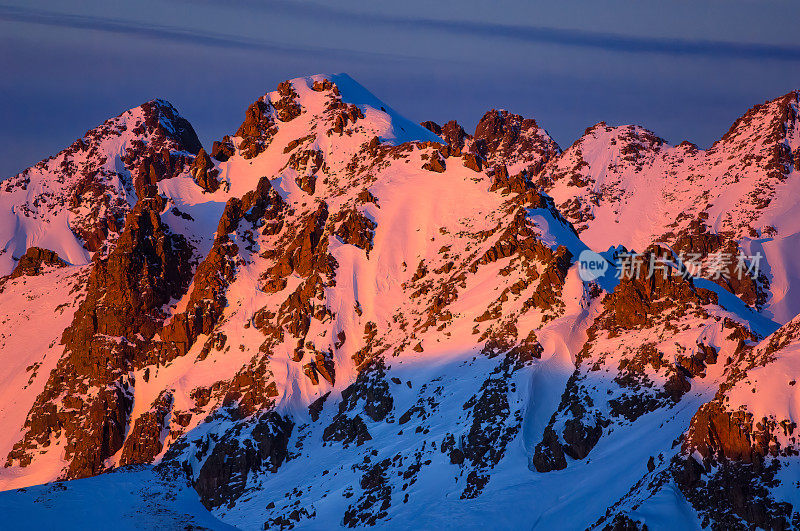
(135, 499)
(758, 323)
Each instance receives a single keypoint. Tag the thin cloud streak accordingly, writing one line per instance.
(606, 41)
(615, 42)
(172, 33)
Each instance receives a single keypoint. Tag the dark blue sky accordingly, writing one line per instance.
(685, 70)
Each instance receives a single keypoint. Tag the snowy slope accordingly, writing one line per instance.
(131, 500)
(29, 351)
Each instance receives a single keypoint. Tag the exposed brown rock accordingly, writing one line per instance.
(307, 183)
(355, 229)
(157, 113)
(224, 472)
(148, 267)
(454, 135)
(306, 161)
(517, 184)
(304, 253)
(365, 196)
(431, 126)
(216, 271)
(154, 165)
(257, 129)
(698, 241)
(636, 300)
(310, 370)
(287, 107)
(436, 163)
(223, 149)
(715, 432)
(321, 86)
(503, 137)
(344, 114)
(144, 442)
(126, 294)
(325, 367)
(204, 173)
(35, 260)
(472, 161)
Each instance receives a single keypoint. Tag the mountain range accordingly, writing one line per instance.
(338, 317)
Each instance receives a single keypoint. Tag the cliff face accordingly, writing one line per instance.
(338, 315)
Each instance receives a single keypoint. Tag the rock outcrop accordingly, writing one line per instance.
(35, 260)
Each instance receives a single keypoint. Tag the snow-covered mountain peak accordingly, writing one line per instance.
(772, 123)
(306, 122)
(307, 103)
(74, 202)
